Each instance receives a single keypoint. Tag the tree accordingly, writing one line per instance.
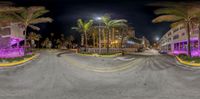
(58, 43)
(123, 33)
(84, 27)
(5, 17)
(178, 14)
(46, 43)
(69, 40)
(32, 37)
(109, 23)
(52, 39)
(29, 17)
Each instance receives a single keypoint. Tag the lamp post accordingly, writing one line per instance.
(157, 40)
(99, 34)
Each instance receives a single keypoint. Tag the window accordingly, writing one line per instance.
(175, 30)
(169, 33)
(182, 27)
(183, 34)
(176, 37)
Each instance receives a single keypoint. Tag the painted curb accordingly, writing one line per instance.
(19, 62)
(187, 63)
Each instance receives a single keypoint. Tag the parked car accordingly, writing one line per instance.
(162, 52)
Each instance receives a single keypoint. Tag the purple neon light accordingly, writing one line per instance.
(11, 52)
(193, 53)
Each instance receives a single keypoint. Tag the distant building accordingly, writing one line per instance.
(145, 42)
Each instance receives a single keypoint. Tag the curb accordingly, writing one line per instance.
(19, 62)
(189, 64)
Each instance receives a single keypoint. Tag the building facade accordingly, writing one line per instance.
(10, 37)
(175, 41)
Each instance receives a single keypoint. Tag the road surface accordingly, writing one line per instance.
(54, 76)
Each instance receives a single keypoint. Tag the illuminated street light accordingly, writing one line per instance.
(98, 18)
(157, 38)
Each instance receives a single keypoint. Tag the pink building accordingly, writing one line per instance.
(175, 41)
(10, 36)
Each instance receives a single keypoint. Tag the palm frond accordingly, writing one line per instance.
(80, 23)
(88, 25)
(170, 11)
(41, 20)
(113, 22)
(34, 27)
(10, 9)
(166, 18)
(106, 19)
(39, 13)
(175, 24)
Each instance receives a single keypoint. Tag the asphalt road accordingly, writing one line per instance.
(55, 76)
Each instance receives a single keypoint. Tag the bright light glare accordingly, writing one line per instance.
(98, 18)
(157, 38)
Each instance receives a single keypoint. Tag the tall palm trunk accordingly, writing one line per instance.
(188, 33)
(94, 39)
(104, 38)
(122, 40)
(112, 36)
(86, 44)
(109, 31)
(38, 44)
(25, 40)
(99, 40)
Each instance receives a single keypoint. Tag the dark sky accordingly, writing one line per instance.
(66, 12)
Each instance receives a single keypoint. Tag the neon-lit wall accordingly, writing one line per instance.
(11, 52)
(175, 41)
(11, 35)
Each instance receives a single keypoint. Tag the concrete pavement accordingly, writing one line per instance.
(53, 77)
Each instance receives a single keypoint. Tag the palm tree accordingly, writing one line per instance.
(29, 17)
(59, 43)
(109, 24)
(69, 40)
(123, 34)
(179, 14)
(52, 38)
(46, 43)
(84, 27)
(4, 16)
(32, 37)
(93, 33)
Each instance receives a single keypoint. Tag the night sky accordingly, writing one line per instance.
(66, 12)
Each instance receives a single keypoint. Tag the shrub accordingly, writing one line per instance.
(187, 58)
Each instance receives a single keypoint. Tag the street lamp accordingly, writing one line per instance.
(157, 38)
(99, 24)
(98, 18)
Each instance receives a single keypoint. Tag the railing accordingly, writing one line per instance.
(11, 52)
